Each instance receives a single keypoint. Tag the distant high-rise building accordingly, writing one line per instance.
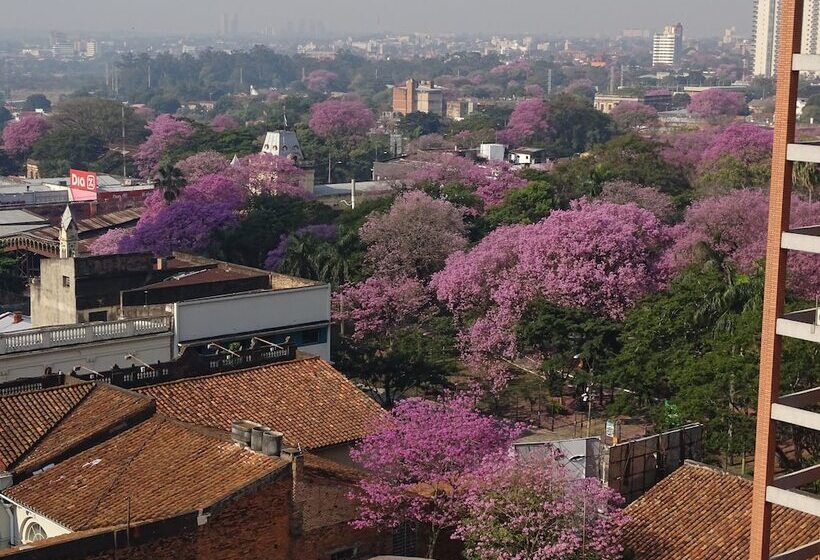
(667, 47)
(224, 25)
(766, 23)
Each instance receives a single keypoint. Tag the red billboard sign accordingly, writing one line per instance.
(83, 185)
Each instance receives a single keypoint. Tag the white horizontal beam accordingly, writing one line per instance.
(806, 62)
(799, 501)
(800, 553)
(796, 416)
(798, 478)
(802, 239)
(803, 152)
(803, 325)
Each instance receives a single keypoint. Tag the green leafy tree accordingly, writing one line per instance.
(419, 124)
(265, 219)
(523, 206)
(37, 101)
(101, 118)
(64, 148)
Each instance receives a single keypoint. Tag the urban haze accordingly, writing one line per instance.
(701, 18)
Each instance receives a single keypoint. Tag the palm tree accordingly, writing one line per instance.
(171, 181)
(743, 293)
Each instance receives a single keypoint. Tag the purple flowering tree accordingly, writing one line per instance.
(201, 164)
(599, 256)
(528, 122)
(20, 136)
(266, 173)
(413, 238)
(419, 458)
(744, 142)
(582, 87)
(531, 509)
(491, 181)
(716, 104)
(222, 123)
(320, 80)
(733, 227)
(341, 119)
(379, 306)
(189, 222)
(109, 243)
(165, 132)
(631, 114)
(648, 198)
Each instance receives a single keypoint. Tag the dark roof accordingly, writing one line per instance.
(161, 467)
(306, 399)
(701, 513)
(37, 427)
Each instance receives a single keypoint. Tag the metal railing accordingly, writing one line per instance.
(51, 337)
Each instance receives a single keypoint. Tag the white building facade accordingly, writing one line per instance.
(766, 22)
(667, 47)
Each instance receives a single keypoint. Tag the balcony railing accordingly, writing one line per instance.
(53, 337)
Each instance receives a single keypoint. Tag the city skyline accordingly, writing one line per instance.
(559, 17)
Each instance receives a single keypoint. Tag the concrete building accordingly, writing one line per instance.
(766, 35)
(90, 312)
(667, 47)
(527, 156)
(605, 102)
(492, 152)
(413, 96)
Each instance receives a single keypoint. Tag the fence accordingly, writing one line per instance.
(51, 337)
(635, 466)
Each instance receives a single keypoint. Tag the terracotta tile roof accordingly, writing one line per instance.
(40, 425)
(307, 400)
(701, 513)
(164, 467)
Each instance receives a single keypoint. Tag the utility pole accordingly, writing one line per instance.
(549, 81)
(124, 168)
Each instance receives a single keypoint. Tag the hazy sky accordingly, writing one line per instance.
(556, 17)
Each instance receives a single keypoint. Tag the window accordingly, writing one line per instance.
(33, 533)
(310, 337)
(344, 554)
(66, 282)
(97, 316)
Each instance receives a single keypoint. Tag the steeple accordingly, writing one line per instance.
(69, 236)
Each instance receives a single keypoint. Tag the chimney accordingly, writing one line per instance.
(297, 466)
(256, 438)
(162, 264)
(272, 443)
(17, 318)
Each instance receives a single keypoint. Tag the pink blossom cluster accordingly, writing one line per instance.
(419, 457)
(597, 255)
(491, 180)
(528, 119)
(341, 118)
(203, 163)
(413, 238)
(714, 104)
(165, 132)
(632, 114)
(378, 305)
(745, 142)
(223, 123)
(207, 204)
(648, 198)
(320, 80)
(20, 136)
(518, 69)
(734, 226)
(528, 509)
